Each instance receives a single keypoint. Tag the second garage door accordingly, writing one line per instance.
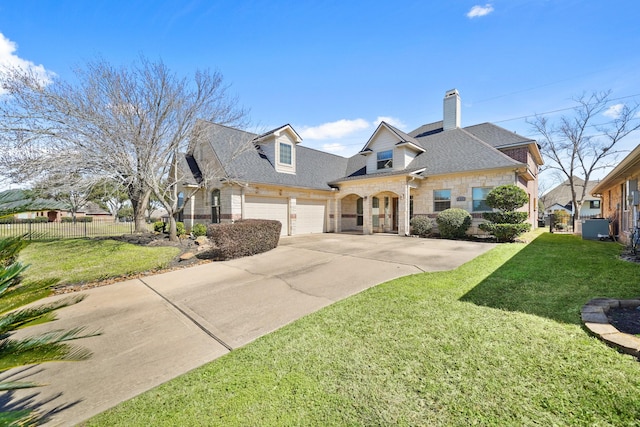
(310, 216)
(268, 208)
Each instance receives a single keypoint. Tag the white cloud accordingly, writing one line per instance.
(8, 58)
(477, 11)
(390, 120)
(333, 148)
(614, 111)
(337, 129)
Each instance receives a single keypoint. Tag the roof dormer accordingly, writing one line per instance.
(389, 149)
(279, 146)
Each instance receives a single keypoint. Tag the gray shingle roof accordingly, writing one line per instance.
(496, 136)
(467, 149)
(457, 150)
(561, 194)
(243, 161)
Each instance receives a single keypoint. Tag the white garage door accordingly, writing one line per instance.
(310, 216)
(268, 208)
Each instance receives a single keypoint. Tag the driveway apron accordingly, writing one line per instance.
(158, 327)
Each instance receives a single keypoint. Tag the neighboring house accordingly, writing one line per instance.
(395, 176)
(620, 195)
(53, 210)
(560, 197)
(93, 210)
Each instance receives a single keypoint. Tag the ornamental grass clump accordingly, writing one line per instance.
(507, 223)
(453, 223)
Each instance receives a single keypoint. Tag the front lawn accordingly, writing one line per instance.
(497, 341)
(86, 260)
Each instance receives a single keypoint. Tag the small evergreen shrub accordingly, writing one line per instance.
(66, 219)
(159, 226)
(507, 224)
(422, 225)
(199, 230)
(243, 238)
(505, 232)
(453, 223)
(180, 229)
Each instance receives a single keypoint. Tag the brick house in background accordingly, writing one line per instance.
(394, 177)
(620, 195)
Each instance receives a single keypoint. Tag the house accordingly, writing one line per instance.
(228, 174)
(620, 195)
(560, 198)
(24, 207)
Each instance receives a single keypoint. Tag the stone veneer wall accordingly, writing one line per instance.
(461, 187)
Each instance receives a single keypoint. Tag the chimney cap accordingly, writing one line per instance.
(451, 92)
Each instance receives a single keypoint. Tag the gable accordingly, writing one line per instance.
(389, 149)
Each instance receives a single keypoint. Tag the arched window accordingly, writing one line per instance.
(215, 207)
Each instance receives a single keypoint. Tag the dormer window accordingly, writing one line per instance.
(385, 159)
(285, 153)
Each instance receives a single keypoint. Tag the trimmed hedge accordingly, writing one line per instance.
(505, 232)
(422, 225)
(243, 238)
(78, 219)
(453, 223)
(14, 220)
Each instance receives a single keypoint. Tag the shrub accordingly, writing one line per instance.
(66, 219)
(180, 230)
(422, 225)
(159, 226)
(505, 232)
(453, 223)
(507, 224)
(243, 238)
(507, 198)
(199, 230)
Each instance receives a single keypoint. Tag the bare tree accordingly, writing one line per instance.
(210, 169)
(109, 195)
(125, 124)
(575, 146)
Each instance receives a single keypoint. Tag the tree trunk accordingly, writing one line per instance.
(173, 232)
(139, 203)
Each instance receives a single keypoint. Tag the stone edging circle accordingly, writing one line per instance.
(594, 317)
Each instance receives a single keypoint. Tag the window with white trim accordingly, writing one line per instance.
(480, 199)
(285, 153)
(385, 159)
(441, 200)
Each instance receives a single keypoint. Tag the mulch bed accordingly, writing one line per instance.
(626, 320)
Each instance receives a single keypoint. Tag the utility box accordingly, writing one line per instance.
(595, 229)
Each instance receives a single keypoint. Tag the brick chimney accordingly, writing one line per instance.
(451, 116)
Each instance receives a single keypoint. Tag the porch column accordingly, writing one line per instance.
(337, 215)
(403, 211)
(367, 223)
(192, 201)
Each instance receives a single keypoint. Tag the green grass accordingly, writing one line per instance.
(495, 342)
(85, 260)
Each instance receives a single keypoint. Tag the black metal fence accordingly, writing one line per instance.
(65, 230)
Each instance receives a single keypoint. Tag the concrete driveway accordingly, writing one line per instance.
(159, 327)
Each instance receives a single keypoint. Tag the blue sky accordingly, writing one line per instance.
(333, 69)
